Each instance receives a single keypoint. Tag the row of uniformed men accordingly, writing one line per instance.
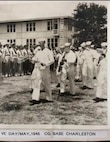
(86, 59)
(16, 60)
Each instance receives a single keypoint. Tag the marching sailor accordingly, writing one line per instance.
(43, 59)
(96, 56)
(78, 77)
(101, 89)
(66, 63)
(58, 58)
(87, 70)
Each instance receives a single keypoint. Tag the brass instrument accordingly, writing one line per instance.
(61, 63)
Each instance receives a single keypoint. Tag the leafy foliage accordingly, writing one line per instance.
(90, 24)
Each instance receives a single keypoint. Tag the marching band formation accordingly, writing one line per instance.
(83, 64)
(16, 60)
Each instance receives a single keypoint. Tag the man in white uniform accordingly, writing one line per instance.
(96, 56)
(68, 70)
(59, 56)
(101, 89)
(79, 66)
(13, 57)
(71, 60)
(35, 72)
(43, 59)
(87, 70)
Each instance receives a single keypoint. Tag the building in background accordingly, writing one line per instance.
(54, 30)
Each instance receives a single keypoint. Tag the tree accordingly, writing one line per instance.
(90, 22)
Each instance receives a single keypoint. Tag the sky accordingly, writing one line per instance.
(13, 10)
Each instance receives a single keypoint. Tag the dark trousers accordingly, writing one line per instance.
(6, 68)
(19, 68)
(25, 67)
(30, 67)
(3, 68)
(13, 67)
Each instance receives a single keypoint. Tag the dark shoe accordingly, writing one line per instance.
(94, 77)
(58, 85)
(33, 102)
(71, 94)
(42, 91)
(31, 91)
(62, 94)
(84, 87)
(77, 80)
(97, 99)
(105, 99)
(89, 88)
(101, 99)
(46, 101)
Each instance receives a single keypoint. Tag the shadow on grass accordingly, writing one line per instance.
(69, 98)
(12, 105)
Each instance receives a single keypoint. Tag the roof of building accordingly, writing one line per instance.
(35, 19)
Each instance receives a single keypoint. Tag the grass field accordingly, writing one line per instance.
(79, 109)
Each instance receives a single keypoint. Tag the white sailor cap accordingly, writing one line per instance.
(88, 43)
(62, 46)
(92, 46)
(80, 47)
(42, 42)
(57, 48)
(72, 47)
(67, 44)
(104, 44)
(83, 44)
(38, 48)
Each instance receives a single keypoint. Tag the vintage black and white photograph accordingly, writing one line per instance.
(53, 62)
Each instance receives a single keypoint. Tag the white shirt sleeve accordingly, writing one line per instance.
(45, 57)
(50, 58)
